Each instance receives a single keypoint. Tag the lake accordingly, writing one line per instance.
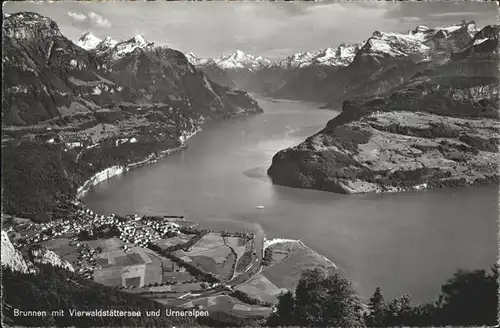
(405, 243)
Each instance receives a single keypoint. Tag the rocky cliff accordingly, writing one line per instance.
(12, 258)
(41, 255)
(438, 129)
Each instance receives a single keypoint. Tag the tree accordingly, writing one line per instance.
(398, 311)
(470, 298)
(467, 299)
(377, 309)
(284, 313)
(320, 300)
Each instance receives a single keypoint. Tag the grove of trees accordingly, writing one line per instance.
(469, 298)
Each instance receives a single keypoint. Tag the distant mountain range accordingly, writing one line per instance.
(381, 62)
(384, 60)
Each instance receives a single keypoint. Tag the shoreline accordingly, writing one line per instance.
(115, 170)
(274, 241)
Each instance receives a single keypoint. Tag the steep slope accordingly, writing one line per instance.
(48, 285)
(210, 68)
(438, 129)
(387, 60)
(45, 75)
(40, 255)
(12, 258)
(69, 113)
(165, 75)
(88, 41)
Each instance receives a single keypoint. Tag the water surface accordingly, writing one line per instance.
(408, 242)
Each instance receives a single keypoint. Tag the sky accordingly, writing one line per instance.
(268, 29)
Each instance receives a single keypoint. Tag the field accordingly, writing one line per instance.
(279, 252)
(283, 273)
(108, 276)
(168, 242)
(262, 289)
(170, 291)
(177, 276)
(211, 254)
(223, 270)
(244, 261)
(107, 245)
(244, 309)
(169, 301)
(224, 303)
(237, 244)
(209, 241)
(172, 272)
(286, 274)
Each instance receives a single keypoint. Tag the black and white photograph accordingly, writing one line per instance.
(250, 163)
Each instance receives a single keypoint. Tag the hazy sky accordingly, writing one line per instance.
(262, 28)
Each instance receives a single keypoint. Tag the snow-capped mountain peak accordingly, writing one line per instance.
(239, 60)
(425, 34)
(196, 61)
(238, 55)
(139, 39)
(396, 44)
(88, 41)
(108, 42)
(420, 43)
(342, 55)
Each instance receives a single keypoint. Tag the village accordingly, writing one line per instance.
(84, 225)
(168, 259)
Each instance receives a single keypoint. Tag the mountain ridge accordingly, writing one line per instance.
(80, 112)
(438, 129)
(381, 62)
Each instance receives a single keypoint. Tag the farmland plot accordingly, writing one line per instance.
(237, 244)
(286, 274)
(221, 303)
(168, 242)
(262, 289)
(107, 245)
(210, 240)
(177, 276)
